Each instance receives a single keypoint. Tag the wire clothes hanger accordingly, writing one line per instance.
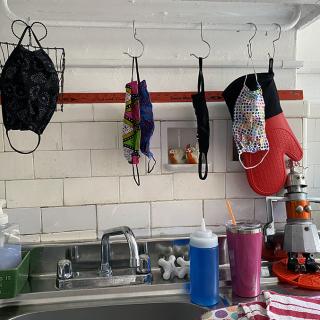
(134, 32)
(271, 58)
(57, 55)
(207, 43)
(249, 45)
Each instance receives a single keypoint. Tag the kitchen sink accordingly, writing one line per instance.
(154, 311)
(92, 297)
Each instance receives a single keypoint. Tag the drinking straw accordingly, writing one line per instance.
(233, 219)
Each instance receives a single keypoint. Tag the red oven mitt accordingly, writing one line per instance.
(270, 176)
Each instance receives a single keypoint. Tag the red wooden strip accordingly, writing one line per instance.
(159, 97)
(162, 97)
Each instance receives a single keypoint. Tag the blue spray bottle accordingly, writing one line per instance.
(204, 267)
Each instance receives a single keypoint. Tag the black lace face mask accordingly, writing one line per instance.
(203, 127)
(29, 87)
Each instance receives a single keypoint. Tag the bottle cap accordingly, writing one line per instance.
(203, 238)
(3, 216)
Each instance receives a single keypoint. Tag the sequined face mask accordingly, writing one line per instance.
(249, 123)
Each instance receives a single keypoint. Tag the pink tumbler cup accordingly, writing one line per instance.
(245, 246)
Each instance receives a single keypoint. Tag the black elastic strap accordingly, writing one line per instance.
(29, 28)
(200, 77)
(23, 152)
(270, 65)
(137, 70)
(154, 163)
(135, 174)
(132, 67)
(203, 156)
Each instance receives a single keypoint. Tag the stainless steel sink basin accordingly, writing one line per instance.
(154, 311)
(158, 299)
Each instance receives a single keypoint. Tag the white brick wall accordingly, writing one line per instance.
(78, 183)
(91, 190)
(62, 164)
(89, 135)
(34, 193)
(16, 166)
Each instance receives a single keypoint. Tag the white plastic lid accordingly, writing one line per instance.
(203, 238)
(3, 217)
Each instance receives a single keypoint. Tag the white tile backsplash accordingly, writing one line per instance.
(176, 213)
(27, 140)
(16, 166)
(152, 188)
(113, 163)
(80, 191)
(62, 164)
(135, 215)
(216, 212)
(83, 184)
(189, 186)
(313, 153)
(29, 219)
(75, 218)
(108, 112)
(89, 135)
(74, 113)
(34, 193)
(237, 186)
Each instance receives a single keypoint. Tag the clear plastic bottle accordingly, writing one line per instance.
(10, 247)
(204, 267)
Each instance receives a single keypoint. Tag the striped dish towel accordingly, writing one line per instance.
(280, 307)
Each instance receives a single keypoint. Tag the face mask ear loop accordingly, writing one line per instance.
(203, 175)
(247, 168)
(154, 163)
(24, 152)
(136, 177)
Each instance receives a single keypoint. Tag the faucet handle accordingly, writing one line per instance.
(64, 269)
(145, 264)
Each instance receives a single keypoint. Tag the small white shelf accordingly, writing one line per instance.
(177, 134)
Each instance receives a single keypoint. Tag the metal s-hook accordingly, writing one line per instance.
(249, 45)
(134, 31)
(207, 43)
(275, 40)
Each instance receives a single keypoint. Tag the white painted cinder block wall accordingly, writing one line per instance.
(77, 183)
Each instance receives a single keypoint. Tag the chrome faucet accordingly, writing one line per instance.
(105, 268)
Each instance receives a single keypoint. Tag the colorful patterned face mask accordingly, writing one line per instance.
(131, 133)
(249, 123)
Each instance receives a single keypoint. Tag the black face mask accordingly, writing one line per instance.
(29, 87)
(203, 127)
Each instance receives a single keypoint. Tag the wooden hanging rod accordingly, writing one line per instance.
(160, 97)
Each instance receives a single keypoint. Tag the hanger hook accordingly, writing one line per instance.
(275, 40)
(207, 43)
(249, 45)
(134, 31)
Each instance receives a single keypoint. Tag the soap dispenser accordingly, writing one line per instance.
(10, 247)
(204, 267)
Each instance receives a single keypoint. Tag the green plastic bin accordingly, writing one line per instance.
(13, 280)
